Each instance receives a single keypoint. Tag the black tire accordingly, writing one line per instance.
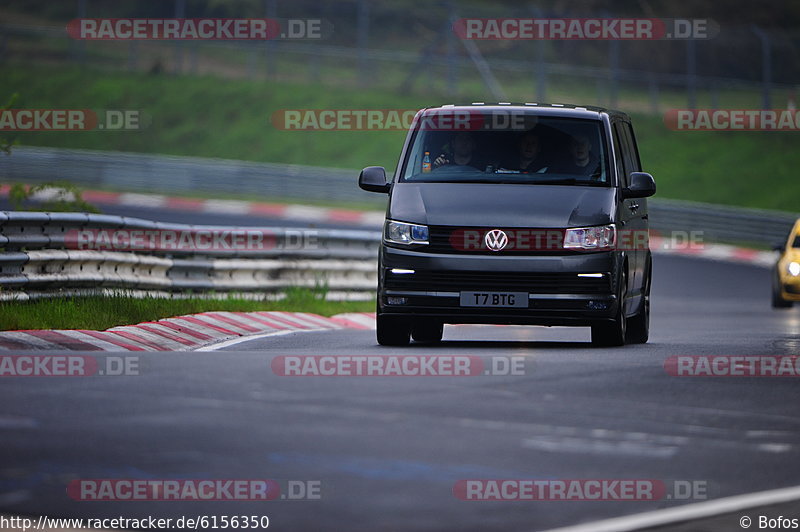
(612, 333)
(392, 330)
(777, 299)
(428, 332)
(638, 328)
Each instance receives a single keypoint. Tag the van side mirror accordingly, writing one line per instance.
(642, 186)
(780, 247)
(373, 179)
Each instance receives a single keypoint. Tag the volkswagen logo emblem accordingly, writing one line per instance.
(496, 239)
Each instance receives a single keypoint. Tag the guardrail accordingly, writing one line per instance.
(720, 223)
(41, 252)
(180, 175)
(137, 172)
(44, 253)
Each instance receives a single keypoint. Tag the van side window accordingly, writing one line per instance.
(631, 153)
(621, 160)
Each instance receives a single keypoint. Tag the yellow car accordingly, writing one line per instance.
(786, 280)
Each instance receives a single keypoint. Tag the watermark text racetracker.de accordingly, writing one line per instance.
(73, 120)
(401, 120)
(732, 119)
(397, 366)
(584, 28)
(191, 240)
(604, 489)
(528, 240)
(204, 489)
(198, 29)
(57, 365)
(733, 366)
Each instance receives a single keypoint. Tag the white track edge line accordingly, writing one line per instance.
(234, 341)
(688, 512)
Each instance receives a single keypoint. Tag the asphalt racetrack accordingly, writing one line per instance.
(387, 452)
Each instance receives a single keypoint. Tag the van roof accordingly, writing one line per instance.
(554, 109)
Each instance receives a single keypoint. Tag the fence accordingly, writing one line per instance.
(397, 47)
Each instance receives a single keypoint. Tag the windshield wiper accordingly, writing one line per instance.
(491, 181)
(568, 181)
(560, 181)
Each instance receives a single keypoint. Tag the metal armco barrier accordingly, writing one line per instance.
(143, 172)
(39, 255)
(138, 172)
(720, 223)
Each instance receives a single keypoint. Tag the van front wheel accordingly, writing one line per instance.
(428, 332)
(639, 325)
(392, 330)
(612, 333)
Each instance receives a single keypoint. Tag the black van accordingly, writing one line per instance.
(515, 214)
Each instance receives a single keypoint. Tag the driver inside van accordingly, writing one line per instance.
(463, 151)
(529, 159)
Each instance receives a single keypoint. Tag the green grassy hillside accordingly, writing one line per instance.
(211, 117)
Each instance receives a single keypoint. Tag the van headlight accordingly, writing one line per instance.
(403, 233)
(600, 237)
(794, 269)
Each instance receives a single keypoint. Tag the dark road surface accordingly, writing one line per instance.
(388, 451)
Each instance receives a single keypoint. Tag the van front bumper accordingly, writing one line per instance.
(556, 293)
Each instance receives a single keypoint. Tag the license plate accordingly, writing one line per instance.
(494, 299)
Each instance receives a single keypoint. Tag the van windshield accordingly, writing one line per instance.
(500, 146)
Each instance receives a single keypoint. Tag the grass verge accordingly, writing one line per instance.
(98, 313)
(202, 116)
